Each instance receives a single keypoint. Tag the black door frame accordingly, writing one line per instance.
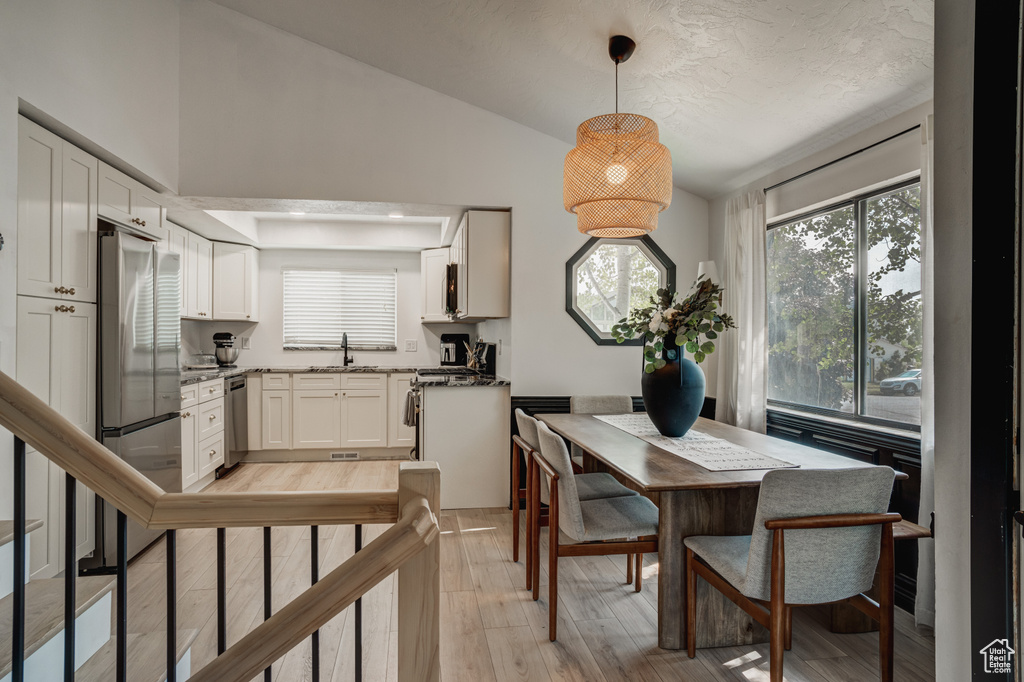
(994, 218)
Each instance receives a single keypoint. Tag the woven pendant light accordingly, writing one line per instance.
(618, 178)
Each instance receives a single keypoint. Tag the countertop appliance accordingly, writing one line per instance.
(453, 349)
(226, 352)
(236, 421)
(140, 383)
(486, 354)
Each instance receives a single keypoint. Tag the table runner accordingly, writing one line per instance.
(714, 454)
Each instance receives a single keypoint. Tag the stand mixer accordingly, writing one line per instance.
(226, 351)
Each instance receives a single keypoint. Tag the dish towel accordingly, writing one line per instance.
(411, 407)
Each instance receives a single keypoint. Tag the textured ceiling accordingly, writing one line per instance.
(738, 87)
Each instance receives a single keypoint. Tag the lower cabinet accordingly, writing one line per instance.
(364, 418)
(276, 422)
(202, 431)
(399, 435)
(315, 422)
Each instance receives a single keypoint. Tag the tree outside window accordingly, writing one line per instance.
(844, 308)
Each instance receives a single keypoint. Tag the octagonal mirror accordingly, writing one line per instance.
(607, 278)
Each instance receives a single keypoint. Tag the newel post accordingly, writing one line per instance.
(419, 584)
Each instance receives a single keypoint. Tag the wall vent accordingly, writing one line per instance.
(344, 455)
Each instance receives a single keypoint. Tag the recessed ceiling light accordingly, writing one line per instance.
(297, 212)
(395, 216)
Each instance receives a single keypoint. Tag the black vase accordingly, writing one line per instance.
(674, 394)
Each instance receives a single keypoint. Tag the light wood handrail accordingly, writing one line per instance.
(270, 640)
(73, 450)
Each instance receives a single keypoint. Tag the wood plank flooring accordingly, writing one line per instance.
(491, 630)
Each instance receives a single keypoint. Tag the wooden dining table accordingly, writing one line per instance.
(691, 501)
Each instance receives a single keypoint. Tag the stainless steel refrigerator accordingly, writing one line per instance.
(140, 382)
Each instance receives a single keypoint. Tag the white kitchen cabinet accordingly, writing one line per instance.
(198, 280)
(202, 433)
(56, 361)
(177, 242)
(364, 418)
(481, 254)
(315, 422)
(276, 420)
(433, 279)
(125, 200)
(235, 282)
(465, 429)
(189, 444)
(399, 435)
(57, 197)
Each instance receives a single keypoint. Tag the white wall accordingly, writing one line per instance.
(108, 71)
(266, 114)
(267, 336)
(954, 120)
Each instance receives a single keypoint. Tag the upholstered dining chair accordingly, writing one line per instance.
(590, 487)
(597, 527)
(818, 537)
(596, 404)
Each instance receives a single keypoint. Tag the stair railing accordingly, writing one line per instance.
(410, 547)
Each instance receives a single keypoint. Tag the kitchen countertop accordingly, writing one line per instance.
(458, 381)
(191, 376)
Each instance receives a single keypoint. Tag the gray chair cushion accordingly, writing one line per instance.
(597, 485)
(553, 450)
(527, 428)
(597, 404)
(822, 565)
(726, 554)
(615, 518)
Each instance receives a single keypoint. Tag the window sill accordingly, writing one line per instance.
(847, 423)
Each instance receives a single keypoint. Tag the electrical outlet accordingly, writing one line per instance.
(410, 345)
(246, 343)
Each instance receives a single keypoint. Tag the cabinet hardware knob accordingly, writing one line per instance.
(71, 309)
(143, 223)
(212, 453)
(70, 291)
(57, 308)
(248, 317)
(213, 390)
(182, 396)
(212, 417)
(58, 290)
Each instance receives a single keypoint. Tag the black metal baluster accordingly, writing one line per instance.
(70, 573)
(266, 588)
(359, 616)
(222, 592)
(314, 569)
(122, 598)
(172, 606)
(18, 638)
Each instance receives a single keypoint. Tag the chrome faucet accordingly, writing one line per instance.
(344, 346)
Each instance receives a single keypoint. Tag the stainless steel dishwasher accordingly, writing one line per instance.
(236, 421)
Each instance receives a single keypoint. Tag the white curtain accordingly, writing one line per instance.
(924, 610)
(742, 376)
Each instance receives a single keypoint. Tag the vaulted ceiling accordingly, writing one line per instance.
(737, 87)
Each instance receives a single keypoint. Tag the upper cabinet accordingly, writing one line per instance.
(433, 274)
(481, 255)
(57, 209)
(198, 279)
(235, 282)
(177, 242)
(127, 201)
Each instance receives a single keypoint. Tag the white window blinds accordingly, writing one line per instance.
(321, 305)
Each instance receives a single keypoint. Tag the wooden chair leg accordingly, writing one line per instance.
(789, 628)
(535, 542)
(515, 501)
(886, 597)
(530, 492)
(639, 572)
(777, 632)
(553, 564)
(691, 605)
(629, 568)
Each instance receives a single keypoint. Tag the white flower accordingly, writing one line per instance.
(657, 325)
(670, 313)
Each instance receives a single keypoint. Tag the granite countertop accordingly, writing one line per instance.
(458, 381)
(189, 376)
(194, 376)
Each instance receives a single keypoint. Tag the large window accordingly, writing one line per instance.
(844, 309)
(322, 305)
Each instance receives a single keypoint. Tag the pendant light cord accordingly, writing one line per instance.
(616, 87)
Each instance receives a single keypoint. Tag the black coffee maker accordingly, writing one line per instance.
(226, 351)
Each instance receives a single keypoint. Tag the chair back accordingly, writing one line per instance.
(554, 452)
(528, 432)
(598, 404)
(827, 564)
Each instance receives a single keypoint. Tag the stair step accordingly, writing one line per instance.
(7, 529)
(7, 553)
(146, 658)
(44, 613)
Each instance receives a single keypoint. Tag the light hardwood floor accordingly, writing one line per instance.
(491, 630)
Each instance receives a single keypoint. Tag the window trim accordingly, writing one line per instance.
(336, 347)
(860, 309)
(646, 245)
